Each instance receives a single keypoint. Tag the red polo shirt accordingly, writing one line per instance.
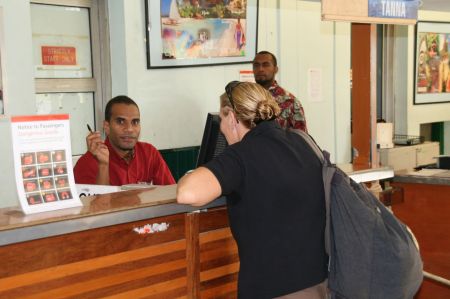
(147, 166)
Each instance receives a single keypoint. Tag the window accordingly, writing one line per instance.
(67, 63)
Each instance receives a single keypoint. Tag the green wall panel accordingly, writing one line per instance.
(180, 160)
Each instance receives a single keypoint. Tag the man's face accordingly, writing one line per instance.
(124, 127)
(264, 70)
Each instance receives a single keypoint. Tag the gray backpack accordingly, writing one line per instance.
(371, 253)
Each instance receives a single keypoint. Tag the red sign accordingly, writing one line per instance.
(59, 55)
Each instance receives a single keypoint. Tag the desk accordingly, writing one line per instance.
(94, 251)
(426, 210)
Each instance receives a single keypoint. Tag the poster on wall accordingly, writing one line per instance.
(432, 68)
(200, 32)
(43, 163)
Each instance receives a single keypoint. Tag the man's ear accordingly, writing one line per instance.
(276, 69)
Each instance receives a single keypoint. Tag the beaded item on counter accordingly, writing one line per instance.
(152, 228)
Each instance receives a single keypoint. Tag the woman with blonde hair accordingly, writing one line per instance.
(273, 184)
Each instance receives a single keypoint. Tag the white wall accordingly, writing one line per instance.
(308, 43)
(17, 69)
(409, 116)
(174, 102)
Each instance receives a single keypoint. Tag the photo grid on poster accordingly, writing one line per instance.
(45, 178)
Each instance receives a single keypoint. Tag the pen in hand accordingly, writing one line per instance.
(89, 128)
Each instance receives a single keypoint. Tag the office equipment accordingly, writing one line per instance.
(408, 139)
(384, 135)
(213, 141)
(443, 161)
(409, 157)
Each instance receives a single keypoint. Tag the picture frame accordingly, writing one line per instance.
(187, 33)
(431, 64)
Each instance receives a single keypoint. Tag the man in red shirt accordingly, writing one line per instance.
(121, 159)
(292, 114)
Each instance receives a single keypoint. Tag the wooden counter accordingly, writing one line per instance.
(426, 210)
(94, 251)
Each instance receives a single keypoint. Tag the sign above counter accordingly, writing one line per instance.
(400, 12)
(402, 9)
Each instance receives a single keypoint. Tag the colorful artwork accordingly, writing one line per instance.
(432, 66)
(199, 32)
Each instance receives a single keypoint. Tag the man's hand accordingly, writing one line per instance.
(100, 151)
(98, 148)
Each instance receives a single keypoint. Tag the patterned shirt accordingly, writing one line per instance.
(292, 114)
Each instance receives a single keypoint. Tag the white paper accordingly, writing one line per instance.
(43, 163)
(89, 190)
(315, 85)
(246, 76)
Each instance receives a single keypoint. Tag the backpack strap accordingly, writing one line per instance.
(328, 171)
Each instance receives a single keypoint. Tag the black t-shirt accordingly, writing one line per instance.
(275, 197)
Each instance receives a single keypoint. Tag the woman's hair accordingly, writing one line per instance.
(252, 103)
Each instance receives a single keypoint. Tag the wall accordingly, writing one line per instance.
(17, 69)
(408, 116)
(307, 43)
(174, 117)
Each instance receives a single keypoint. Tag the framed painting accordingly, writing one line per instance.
(432, 68)
(183, 33)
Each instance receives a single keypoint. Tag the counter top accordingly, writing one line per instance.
(97, 211)
(424, 176)
(120, 207)
(363, 174)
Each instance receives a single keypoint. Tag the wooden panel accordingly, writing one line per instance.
(345, 7)
(216, 218)
(219, 264)
(361, 94)
(426, 210)
(193, 254)
(100, 262)
(83, 245)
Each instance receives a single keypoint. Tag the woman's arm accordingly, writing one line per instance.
(198, 187)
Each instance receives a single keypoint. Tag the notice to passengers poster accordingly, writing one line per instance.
(43, 163)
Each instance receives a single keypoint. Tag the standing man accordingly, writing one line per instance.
(121, 159)
(292, 114)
